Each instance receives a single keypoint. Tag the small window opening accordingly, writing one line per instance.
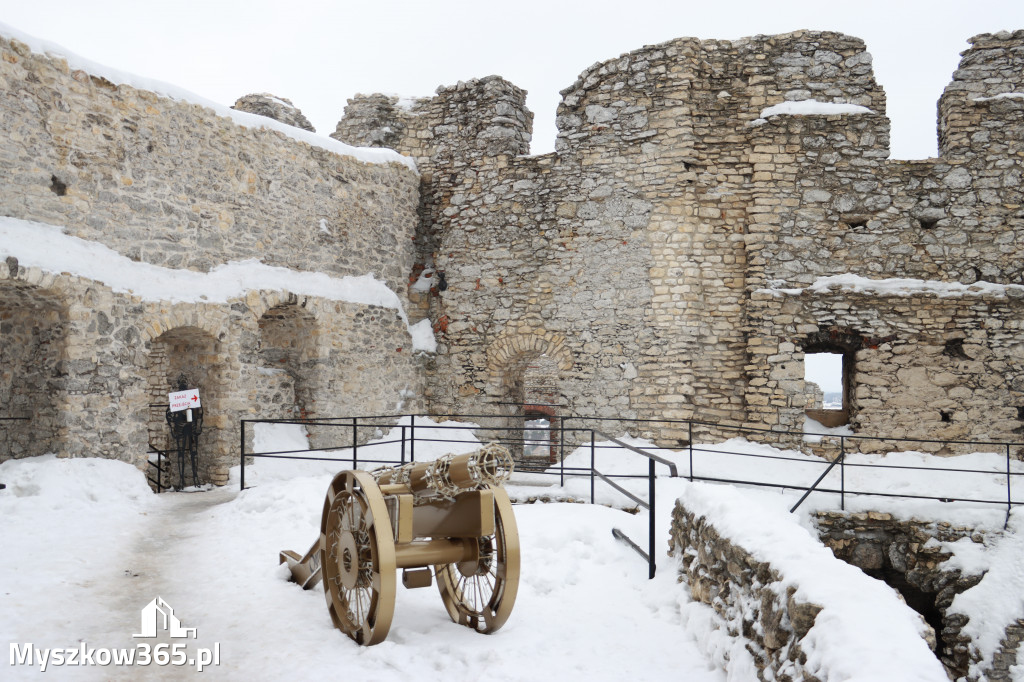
(1020, 413)
(857, 224)
(954, 348)
(946, 416)
(825, 376)
(928, 223)
(58, 187)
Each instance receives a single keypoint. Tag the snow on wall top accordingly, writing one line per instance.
(852, 603)
(246, 120)
(810, 107)
(46, 247)
(902, 286)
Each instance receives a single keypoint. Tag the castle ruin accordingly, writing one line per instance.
(714, 211)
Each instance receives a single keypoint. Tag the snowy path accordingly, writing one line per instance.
(585, 609)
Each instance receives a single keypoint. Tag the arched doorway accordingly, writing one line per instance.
(33, 341)
(525, 374)
(193, 355)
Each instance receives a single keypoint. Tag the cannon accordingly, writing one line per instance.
(448, 520)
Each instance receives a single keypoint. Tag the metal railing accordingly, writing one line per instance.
(1009, 451)
(649, 505)
(585, 432)
(162, 466)
(501, 434)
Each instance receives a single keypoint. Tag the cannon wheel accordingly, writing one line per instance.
(480, 594)
(357, 556)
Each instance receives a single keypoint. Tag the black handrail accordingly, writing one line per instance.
(162, 457)
(649, 505)
(828, 469)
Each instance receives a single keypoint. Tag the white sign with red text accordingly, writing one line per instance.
(184, 400)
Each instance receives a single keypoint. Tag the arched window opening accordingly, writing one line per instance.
(530, 398)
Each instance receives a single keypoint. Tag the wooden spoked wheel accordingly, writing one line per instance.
(480, 593)
(357, 556)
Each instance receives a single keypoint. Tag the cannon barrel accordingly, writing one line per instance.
(449, 475)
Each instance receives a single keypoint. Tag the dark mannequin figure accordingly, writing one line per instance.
(186, 435)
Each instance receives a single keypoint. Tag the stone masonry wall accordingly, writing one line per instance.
(925, 365)
(122, 354)
(757, 603)
(907, 555)
(829, 203)
(740, 589)
(186, 188)
(665, 252)
(33, 327)
(981, 112)
(172, 184)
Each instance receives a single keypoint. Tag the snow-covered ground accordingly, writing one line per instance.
(88, 546)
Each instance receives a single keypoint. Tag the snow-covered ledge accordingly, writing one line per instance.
(899, 286)
(46, 247)
(800, 611)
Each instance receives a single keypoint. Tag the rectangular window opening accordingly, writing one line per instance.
(537, 438)
(825, 379)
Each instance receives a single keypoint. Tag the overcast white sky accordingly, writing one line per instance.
(319, 53)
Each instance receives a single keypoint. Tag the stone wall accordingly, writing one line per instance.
(950, 221)
(173, 185)
(923, 365)
(907, 555)
(33, 326)
(768, 610)
(665, 253)
(740, 589)
(981, 112)
(187, 188)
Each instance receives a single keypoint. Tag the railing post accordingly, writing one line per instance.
(651, 516)
(412, 438)
(689, 428)
(842, 473)
(403, 444)
(355, 442)
(561, 451)
(241, 449)
(1009, 497)
(592, 466)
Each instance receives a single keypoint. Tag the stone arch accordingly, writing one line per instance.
(196, 354)
(180, 319)
(260, 303)
(33, 369)
(510, 349)
(288, 360)
(525, 372)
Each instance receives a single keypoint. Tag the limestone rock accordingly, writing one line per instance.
(277, 108)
